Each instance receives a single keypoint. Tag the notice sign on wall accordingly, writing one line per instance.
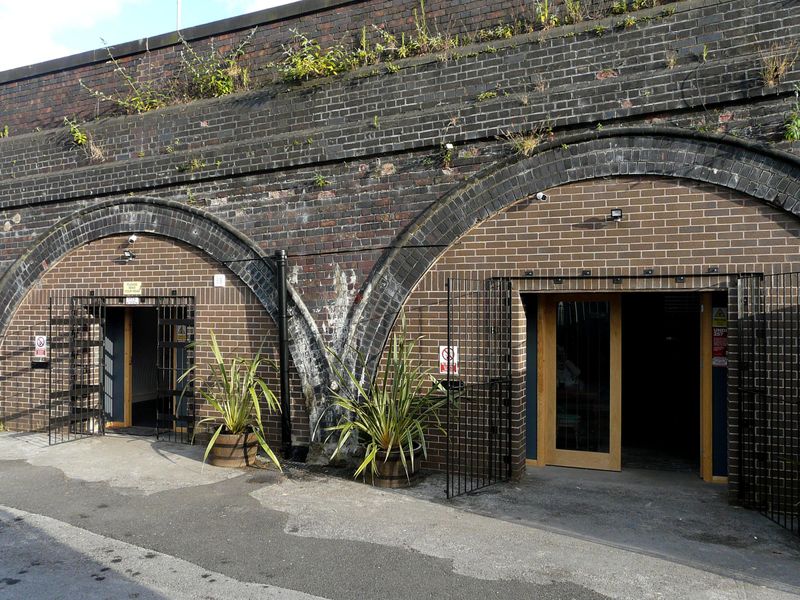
(719, 340)
(40, 348)
(132, 288)
(448, 357)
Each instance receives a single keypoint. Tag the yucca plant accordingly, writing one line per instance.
(235, 391)
(391, 411)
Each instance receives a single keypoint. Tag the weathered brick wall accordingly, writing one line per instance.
(673, 226)
(233, 313)
(42, 95)
(342, 170)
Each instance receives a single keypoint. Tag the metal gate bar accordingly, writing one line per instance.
(175, 416)
(478, 416)
(75, 381)
(769, 395)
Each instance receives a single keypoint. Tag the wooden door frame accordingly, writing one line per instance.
(545, 380)
(547, 453)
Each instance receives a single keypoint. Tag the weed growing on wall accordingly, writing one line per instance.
(201, 75)
(212, 74)
(575, 12)
(793, 122)
(4, 131)
(525, 144)
(140, 95)
(84, 141)
(776, 61)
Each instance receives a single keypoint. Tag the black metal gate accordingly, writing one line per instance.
(768, 341)
(479, 382)
(175, 416)
(76, 333)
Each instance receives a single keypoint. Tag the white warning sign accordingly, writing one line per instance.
(40, 348)
(448, 357)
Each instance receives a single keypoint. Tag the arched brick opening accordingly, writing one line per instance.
(770, 176)
(193, 227)
(671, 225)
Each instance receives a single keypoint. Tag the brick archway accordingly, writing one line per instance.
(767, 175)
(189, 225)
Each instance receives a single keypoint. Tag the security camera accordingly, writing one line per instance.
(132, 239)
(541, 196)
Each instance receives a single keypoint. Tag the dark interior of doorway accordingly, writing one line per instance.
(661, 381)
(143, 372)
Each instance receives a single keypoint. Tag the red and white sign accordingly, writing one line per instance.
(40, 348)
(448, 355)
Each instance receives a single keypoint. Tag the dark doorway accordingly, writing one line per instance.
(144, 372)
(661, 381)
(130, 370)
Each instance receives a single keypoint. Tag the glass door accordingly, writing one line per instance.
(582, 381)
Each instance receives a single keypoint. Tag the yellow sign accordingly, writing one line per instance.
(719, 317)
(132, 288)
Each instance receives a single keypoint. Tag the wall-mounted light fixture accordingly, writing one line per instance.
(649, 271)
(586, 273)
(680, 279)
(713, 269)
(128, 255)
(615, 216)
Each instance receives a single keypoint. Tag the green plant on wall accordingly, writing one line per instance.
(575, 12)
(214, 74)
(304, 59)
(4, 131)
(84, 141)
(140, 94)
(793, 122)
(776, 61)
(544, 17)
(200, 75)
(79, 138)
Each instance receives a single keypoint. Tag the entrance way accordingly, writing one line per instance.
(661, 381)
(621, 380)
(116, 362)
(131, 372)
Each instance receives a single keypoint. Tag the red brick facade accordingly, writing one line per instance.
(670, 225)
(233, 313)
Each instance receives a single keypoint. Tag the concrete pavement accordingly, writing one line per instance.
(306, 534)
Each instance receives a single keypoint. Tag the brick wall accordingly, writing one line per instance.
(234, 314)
(40, 96)
(670, 225)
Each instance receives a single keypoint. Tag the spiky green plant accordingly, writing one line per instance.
(236, 391)
(390, 412)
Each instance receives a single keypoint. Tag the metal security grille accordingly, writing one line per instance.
(76, 334)
(478, 419)
(175, 416)
(769, 395)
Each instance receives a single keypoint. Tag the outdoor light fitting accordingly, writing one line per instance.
(541, 196)
(128, 256)
(615, 216)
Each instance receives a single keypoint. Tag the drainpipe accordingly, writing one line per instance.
(283, 356)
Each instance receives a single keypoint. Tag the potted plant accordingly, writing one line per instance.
(389, 413)
(235, 391)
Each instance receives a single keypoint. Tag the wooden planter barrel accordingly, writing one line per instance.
(391, 473)
(234, 450)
